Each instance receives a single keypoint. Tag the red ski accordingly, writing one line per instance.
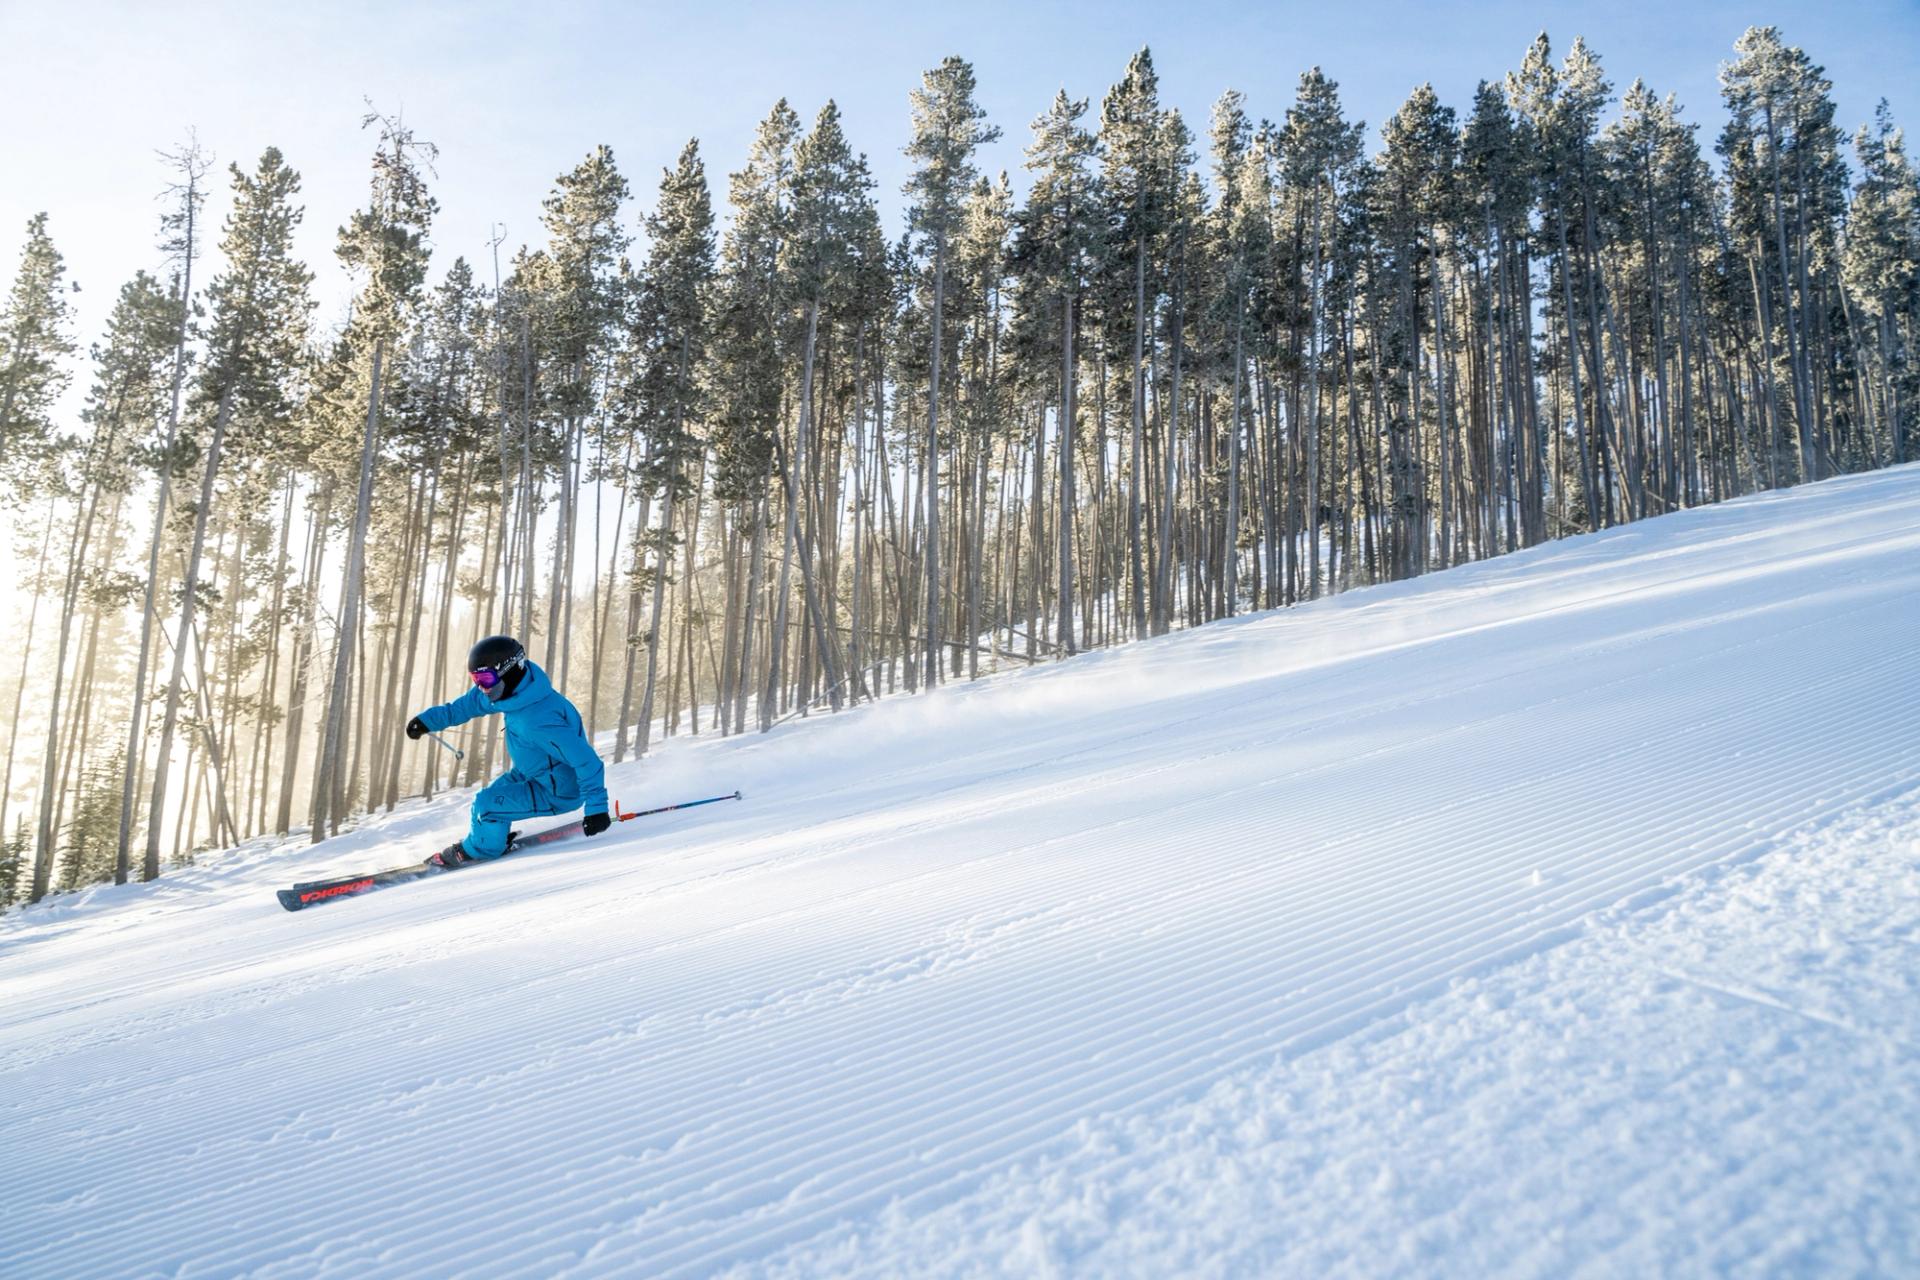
(315, 891)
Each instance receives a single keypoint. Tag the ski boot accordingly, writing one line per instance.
(454, 855)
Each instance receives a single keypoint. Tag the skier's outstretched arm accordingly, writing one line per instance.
(468, 706)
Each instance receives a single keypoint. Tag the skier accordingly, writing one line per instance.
(554, 767)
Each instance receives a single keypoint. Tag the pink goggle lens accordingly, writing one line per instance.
(486, 677)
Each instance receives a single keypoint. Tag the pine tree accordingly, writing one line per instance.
(982, 273)
(1561, 107)
(1321, 149)
(35, 341)
(1658, 187)
(385, 245)
(13, 860)
(822, 259)
(746, 375)
(258, 311)
(92, 833)
(1185, 206)
(1059, 241)
(1496, 176)
(585, 243)
(1139, 192)
(1242, 232)
(181, 239)
(948, 127)
(1417, 173)
(1788, 184)
(127, 400)
(1881, 267)
(668, 395)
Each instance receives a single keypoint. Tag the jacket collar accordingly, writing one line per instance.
(533, 687)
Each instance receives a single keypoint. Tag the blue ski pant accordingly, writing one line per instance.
(504, 801)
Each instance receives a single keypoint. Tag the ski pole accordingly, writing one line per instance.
(458, 754)
(669, 808)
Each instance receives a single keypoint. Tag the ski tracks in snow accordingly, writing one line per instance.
(1720, 1082)
(1299, 943)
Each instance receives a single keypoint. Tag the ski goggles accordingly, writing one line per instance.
(487, 677)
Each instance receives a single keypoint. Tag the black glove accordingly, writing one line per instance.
(416, 728)
(596, 823)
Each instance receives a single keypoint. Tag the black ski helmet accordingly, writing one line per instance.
(497, 665)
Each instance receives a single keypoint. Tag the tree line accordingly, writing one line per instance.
(788, 463)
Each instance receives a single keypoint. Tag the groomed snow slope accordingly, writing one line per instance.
(1553, 915)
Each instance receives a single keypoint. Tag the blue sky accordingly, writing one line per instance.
(515, 93)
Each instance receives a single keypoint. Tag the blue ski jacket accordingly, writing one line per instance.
(545, 739)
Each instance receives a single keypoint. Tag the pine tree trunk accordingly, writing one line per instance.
(643, 733)
(170, 717)
(20, 689)
(49, 771)
(136, 720)
(328, 774)
(1069, 386)
(931, 492)
(1136, 532)
(828, 646)
(1230, 548)
(417, 604)
(756, 558)
(303, 653)
(221, 824)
